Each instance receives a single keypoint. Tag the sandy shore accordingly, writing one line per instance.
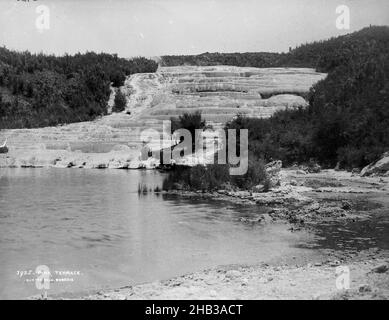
(316, 281)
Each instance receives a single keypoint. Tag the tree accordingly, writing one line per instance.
(119, 102)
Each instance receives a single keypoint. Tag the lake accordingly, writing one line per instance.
(91, 226)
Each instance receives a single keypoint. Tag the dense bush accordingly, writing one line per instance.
(190, 122)
(42, 90)
(347, 120)
(215, 176)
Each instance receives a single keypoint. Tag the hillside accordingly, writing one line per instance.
(44, 90)
(113, 140)
(293, 114)
(347, 120)
(324, 55)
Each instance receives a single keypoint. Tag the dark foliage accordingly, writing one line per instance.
(119, 102)
(347, 120)
(190, 122)
(249, 59)
(42, 90)
(214, 176)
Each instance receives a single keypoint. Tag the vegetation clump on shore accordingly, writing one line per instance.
(212, 176)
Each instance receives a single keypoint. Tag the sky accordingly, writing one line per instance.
(159, 27)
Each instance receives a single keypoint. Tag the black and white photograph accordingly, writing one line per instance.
(194, 150)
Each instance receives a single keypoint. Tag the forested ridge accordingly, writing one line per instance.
(347, 120)
(44, 90)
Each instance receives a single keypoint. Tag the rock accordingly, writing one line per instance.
(117, 164)
(293, 183)
(313, 167)
(316, 296)
(226, 186)
(274, 166)
(301, 171)
(151, 163)
(364, 288)
(4, 149)
(242, 194)
(334, 263)
(177, 186)
(380, 269)
(100, 166)
(245, 282)
(213, 293)
(121, 147)
(346, 205)
(313, 207)
(355, 171)
(380, 167)
(259, 188)
(135, 164)
(273, 170)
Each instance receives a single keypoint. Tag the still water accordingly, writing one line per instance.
(92, 226)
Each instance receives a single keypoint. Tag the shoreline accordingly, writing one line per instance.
(331, 196)
(311, 281)
(291, 280)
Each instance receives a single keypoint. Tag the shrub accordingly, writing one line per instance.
(45, 90)
(215, 176)
(256, 174)
(190, 122)
(119, 102)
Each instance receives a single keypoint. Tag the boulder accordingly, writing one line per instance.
(118, 164)
(177, 186)
(273, 170)
(378, 168)
(381, 268)
(311, 167)
(121, 148)
(346, 205)
(259, 188)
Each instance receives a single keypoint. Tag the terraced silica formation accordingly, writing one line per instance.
(219, 92)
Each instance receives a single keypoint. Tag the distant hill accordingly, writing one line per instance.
(347, 121)
(39, 90)
(323, 55)
(248, 59)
